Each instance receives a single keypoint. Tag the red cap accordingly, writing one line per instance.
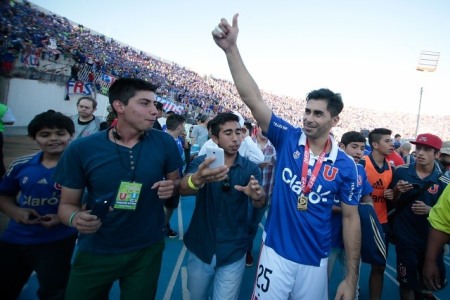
(428, 139)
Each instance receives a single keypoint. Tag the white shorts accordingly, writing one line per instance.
(279, 278)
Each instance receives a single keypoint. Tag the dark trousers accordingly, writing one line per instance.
(50, 261)
(2, 163)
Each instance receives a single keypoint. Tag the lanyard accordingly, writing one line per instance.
(307, 186)
(134, 163)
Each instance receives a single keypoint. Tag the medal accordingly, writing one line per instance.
(302, 202)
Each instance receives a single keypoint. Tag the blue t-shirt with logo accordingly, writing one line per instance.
(304, 236)
(364, 188)
(38, 191)
(180, 142)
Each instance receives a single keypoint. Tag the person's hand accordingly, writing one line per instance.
(403, 186)
(205, 175)
(253, 190)
(165, 188)
(225, 35)
(389, 194)
(50, 220)
(420, 208)
(27, 216)
(431, 276)
(86, 223)
(345, 291)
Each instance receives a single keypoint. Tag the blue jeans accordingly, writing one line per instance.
(226, 280)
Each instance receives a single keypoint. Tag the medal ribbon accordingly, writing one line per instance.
(307, 186)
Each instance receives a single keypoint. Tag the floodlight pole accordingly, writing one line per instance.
(428, 61)
(418, 113)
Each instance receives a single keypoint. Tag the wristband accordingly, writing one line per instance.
(192, 185)
(72, 216)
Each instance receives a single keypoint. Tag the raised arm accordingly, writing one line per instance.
(225, 37)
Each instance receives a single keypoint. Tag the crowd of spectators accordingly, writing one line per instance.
(89, 56)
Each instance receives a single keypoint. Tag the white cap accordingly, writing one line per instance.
(241, 119)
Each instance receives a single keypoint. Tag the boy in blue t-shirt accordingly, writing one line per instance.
(35, 239)
(353, 144)
(175, 127)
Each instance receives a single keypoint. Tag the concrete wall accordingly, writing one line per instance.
(28, 98)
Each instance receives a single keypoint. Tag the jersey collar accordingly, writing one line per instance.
(334, 147)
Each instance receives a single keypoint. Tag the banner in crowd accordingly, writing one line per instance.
(80, 87)
(29, 60)
(108, 78)
(52, 44)
(170, 105)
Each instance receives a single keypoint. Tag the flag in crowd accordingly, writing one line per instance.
(170, 105)
(108, 78)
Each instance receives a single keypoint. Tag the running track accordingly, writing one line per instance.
(173, 278)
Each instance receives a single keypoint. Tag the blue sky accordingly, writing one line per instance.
(366, 50)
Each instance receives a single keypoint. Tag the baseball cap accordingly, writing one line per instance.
(428, 139)
(446, 148)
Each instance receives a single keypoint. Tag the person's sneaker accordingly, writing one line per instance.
(171, 233)
(249, 259)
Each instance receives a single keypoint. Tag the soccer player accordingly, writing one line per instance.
(311, 172)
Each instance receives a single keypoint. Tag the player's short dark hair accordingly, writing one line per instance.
(352, 137)
(174, 120)
(123, 89)
(50, 119)
(202, 118)
(376, 134)
(249, 127)
(334, 100)
(221, 119)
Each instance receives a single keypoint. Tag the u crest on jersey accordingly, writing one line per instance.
(433, 189)
(329, 172)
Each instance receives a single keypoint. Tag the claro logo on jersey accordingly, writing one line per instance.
(294, 183)
(279, 126)
(54, 200)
